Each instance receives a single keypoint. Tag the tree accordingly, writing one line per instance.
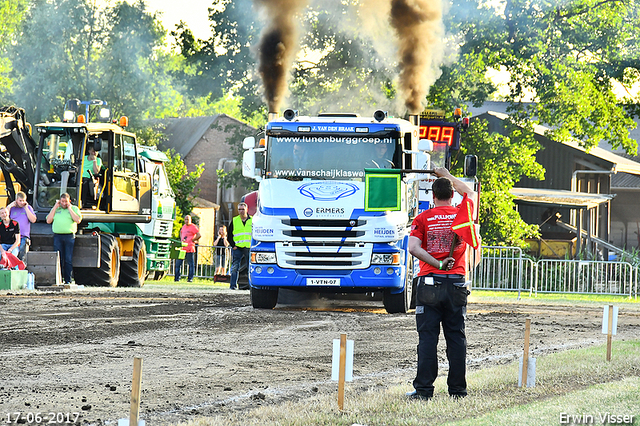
(224, 64)
(54, 56)
(73, 49)
(567, 56)
(11, 14)
(182, 181)
(503, 161)
(134, 74)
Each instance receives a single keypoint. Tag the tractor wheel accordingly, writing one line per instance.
(107, 274)
(133, 272)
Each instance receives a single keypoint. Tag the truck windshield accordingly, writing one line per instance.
(342, 157)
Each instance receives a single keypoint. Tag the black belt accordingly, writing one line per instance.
(450, 276)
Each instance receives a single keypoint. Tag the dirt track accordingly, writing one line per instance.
(210, 352)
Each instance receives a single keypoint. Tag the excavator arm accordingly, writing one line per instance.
(18, 159)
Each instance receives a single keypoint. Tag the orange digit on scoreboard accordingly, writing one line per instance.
(447, 135)
(433, 133)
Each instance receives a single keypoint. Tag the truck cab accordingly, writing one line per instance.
(311, 231)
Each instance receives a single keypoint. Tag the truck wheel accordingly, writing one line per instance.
(133, 272)
(107, 274)
(264, 299)
(401, 302)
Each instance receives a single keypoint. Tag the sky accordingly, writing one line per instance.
(193, 12)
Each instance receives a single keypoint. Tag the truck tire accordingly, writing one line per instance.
(133, 272)
(264, 299)
(107, 274)
(401, 303)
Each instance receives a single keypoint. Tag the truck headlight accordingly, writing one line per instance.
(385, 259)
(261, 257)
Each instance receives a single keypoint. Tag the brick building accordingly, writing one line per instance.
(207, 140)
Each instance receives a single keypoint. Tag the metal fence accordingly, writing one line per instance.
(507, 268)
(211, 261)
(501, 268)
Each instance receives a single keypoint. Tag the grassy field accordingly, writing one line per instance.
(572, 385)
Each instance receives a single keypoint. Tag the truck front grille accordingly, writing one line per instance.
(323, 244)
(324, 256)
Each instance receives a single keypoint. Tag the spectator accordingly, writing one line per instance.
(240, 231)
(64, 218)
(22, 212)
(90, 167)
(189, 234)
(221, 243)
(9, 233)
(441, 290)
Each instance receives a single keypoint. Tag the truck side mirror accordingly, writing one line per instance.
(248, 142)
(249, 163)
(470, 165)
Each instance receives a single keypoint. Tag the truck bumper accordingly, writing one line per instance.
(374, 278)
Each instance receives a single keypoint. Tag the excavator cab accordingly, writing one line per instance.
(59, 166)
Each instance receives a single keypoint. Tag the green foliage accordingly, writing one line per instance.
(567, 56)
(150, 133)
(73, 49)
(503, 160)
(183, 183)
(53, 56)
(11, 13)
(223, 64)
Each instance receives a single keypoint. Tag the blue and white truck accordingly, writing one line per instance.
(311, 231)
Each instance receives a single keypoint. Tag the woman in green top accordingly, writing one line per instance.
(90, 167)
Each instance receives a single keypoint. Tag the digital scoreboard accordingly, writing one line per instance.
(433, 128)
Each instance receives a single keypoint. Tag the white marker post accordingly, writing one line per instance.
(609, 325)
(342, 365)
(527, 372)
(135, 396)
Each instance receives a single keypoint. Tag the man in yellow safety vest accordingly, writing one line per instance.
(240, 242)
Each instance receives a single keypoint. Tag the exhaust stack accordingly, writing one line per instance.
(273, 115)
(413, 119)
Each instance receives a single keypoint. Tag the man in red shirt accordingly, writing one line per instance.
(189, 234)
(441, 291)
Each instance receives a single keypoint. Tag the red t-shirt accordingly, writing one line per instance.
(433, 228)
(186, 235)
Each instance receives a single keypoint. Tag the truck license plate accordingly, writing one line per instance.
(323, 281)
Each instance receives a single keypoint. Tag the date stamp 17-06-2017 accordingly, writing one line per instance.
(37, 418)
